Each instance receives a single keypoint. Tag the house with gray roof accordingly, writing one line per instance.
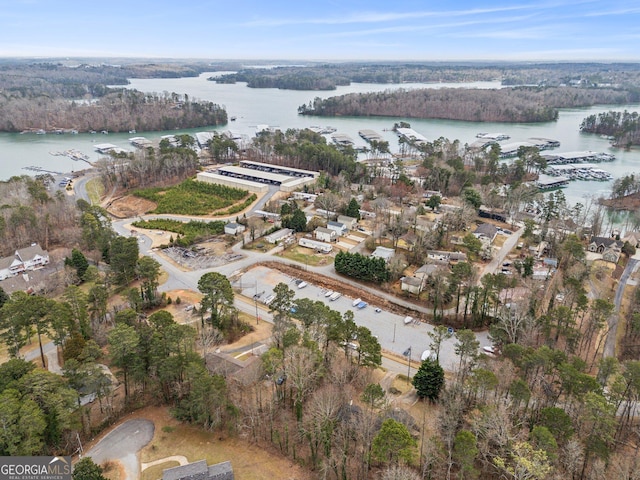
(24, 259)
(486, 232)
(200, 471)
(339, 227)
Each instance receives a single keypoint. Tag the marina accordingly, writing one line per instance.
(578, 157)
(579, 172)
(73, 154)
(496, 137)
(342, 140)
(510, 150)
(322, 130)
(140, 142)
(371, 136)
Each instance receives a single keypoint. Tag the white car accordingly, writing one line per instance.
(489, 350)
(378, 310)
(302, 284)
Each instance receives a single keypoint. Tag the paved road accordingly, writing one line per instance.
(610, 342)
(122, 444)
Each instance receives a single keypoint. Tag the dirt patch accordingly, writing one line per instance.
(199, 258)
(129, 206)
(183, 312)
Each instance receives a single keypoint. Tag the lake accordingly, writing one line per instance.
(278, 108)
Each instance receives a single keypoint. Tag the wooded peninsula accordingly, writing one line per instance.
(623, 128)
(518, 104)
(56, 98)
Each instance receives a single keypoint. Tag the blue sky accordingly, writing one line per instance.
(573, 30)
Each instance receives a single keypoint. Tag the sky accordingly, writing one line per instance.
(458, 30)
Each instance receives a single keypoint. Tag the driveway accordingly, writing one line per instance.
(122, 444)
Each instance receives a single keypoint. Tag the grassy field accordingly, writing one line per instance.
(301, 255)
(194, 198)
(249, 462)
(95, 190)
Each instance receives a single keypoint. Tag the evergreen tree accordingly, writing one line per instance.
(429, 380)
(353, 209)
(86, 469)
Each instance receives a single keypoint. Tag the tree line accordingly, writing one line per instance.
(624, 127)
(313, 76)
(519, 104)
(120, 111)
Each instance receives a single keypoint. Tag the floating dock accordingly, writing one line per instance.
(370, 136)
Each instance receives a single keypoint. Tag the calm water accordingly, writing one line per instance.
(278, 108)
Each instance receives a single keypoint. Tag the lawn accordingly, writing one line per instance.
(95, 190)
(301, 255)
(249, 461)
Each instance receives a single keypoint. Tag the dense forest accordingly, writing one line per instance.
(624, 127)
(60, 80)
(329, 76)
(115, 112)
(519, 104)
(54, 97)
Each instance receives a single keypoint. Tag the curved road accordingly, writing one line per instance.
(610, 342)
(122, 444)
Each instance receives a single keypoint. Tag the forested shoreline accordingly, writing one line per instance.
(116, 112)
(519, 104)
(623, 127)
(327, 76)
(52, 96)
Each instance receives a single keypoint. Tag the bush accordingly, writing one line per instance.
(178, 300)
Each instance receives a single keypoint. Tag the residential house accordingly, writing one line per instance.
(384, 253)
(486, 232)
(600, 244)
(24, 259)
(33, 257)
(316, 245)
(350, 222)
(426, 271)
(612, 254)
(412, 284)
(633, 238)
(233, 228)
(325, 234)
(441, 257)
(339, 227)
(200, 471)
(279, 235)
(455, 257)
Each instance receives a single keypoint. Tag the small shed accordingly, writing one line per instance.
(233, 228)
(411, 284)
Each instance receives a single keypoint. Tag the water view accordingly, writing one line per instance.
(278, 108)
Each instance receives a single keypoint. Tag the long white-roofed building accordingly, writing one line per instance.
(256, 177)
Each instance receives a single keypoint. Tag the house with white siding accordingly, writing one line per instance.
(325, 234)
(339, 227)
(24, 259)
